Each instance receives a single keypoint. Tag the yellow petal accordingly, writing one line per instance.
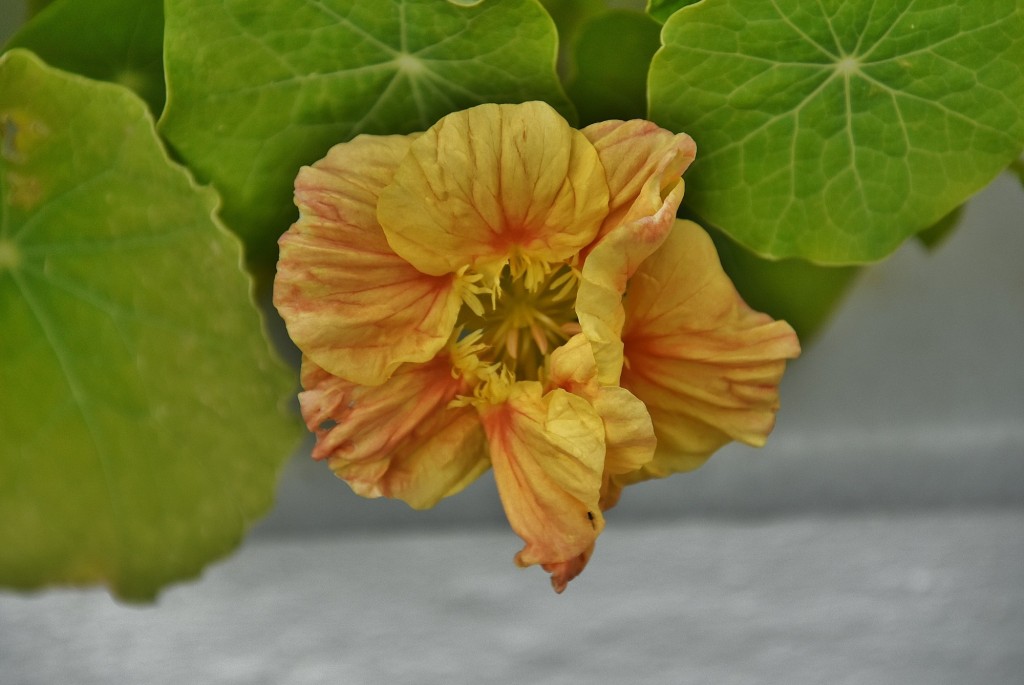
(644, 164)
(628, 430)
(491, 183)
(350, 303)
(548, 454)
(572, 368)
(398, 439)
(629, 433)
(706, 365)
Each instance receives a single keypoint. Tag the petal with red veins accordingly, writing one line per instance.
(399, 439)
(350, 303)
(548, 455)
(706, 366)
(491, 183)
(644, 165)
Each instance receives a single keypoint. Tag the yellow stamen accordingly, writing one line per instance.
(531, 313)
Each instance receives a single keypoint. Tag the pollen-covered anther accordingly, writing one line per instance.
(465, 354)
(530, 314)
(470, 287)
(532, 272)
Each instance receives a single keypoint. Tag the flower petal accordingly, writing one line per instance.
(706, 365)
(564, 571)
(644, 165)
(398, 439)
(628, 431)
(548, 456)
(350, 303)
(494, 182)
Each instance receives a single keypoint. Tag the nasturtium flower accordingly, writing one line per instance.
(504, 291)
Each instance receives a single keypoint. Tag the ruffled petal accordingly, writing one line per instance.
(572, 368)
(564, 571)
(351, 304)
(644, 164)
(494, 183)
(628, 431)
(548, 456)
(706, 366)
(398, 439)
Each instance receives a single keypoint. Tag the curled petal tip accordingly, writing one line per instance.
(563, 572)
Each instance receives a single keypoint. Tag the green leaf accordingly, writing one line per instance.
(832, 129)
(139, 402)
(109, 40)
(612, 55)
(258, 88)
(661, 10)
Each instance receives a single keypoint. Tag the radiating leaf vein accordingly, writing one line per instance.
(78, 396)
(798, 30)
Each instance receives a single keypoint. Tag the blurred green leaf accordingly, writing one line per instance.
(139, 402)
(36, 6)
(936, 234)
(569, 17)
(834, 130)
(802, 293)
(661, 10)
(612, 55)
(109, 40)
(258, 88)
(1017, 167)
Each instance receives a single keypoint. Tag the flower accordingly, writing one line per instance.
(504, 291)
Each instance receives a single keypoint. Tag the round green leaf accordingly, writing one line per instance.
(257, 88)
(110, 40)
(140, 406)
(661, 10)
(834, 129)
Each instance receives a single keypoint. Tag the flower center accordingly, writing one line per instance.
(529, 313)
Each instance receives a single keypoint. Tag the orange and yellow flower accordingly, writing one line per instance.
(504, 291)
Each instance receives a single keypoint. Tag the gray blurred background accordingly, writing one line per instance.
(879, 538)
